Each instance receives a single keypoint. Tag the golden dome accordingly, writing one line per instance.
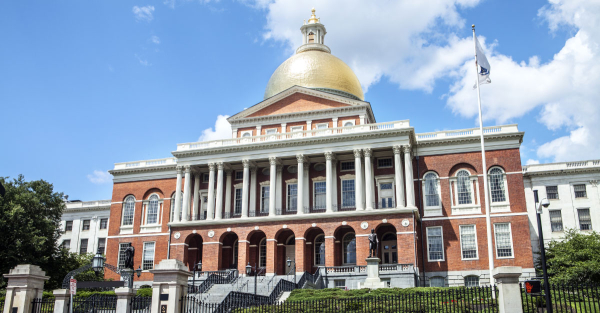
(315, 69)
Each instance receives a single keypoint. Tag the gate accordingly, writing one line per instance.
(140, 304)
(95, 304)
(43, 305)
(564, 298)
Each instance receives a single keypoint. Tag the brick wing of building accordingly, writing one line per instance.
(308, 173)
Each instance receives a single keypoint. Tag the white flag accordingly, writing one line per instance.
(483, 66)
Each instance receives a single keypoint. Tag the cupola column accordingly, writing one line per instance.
(176, 216)
(399, 176)
(358, 190)
(300, 188)
(219, 200)
(329, 156)
(272, 185)
(186, 194)
(410, 184)
(370, 189)
(245, 183)
(210, 208)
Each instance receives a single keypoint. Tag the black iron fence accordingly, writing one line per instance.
(95, 303)
(140, 304)
(42, 305)
(564, 298)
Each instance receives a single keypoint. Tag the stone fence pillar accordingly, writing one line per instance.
(61, 300)
(507, 282)
(170, 284)
(124, 295)
(25, 283)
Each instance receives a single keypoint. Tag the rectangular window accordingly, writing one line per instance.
(468, 242)
(580, 191)
(205, 178)
(270, 131)
(239, 175)
(320, 200)
(347, 166)
(503, 240)
(552, 192)
(104, 223)
(68, 226)
(348, 194)
(437, 281)
(66, 244)
(556, 223)
(585, 220)
(384, 163)
(85, 225)
(148, 256)
(296, 128)
(340, 283)
(83, 246)
(122, 248)
(386, 195)
(102, 245)
(238, 202)
(435, 246)
(472, 281)
(264, 198)
(292, 197)
(322, 125)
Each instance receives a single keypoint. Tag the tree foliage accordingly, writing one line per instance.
(574, 260)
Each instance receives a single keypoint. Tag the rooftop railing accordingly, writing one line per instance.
(467, 132)
(147, 163)
(560, 166)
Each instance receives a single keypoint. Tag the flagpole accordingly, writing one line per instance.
(488, 221)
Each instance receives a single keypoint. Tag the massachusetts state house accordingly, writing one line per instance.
(307, 174)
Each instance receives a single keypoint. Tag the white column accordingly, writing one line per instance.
(307, 185)
(278, 188)
(308, 125)
(358, 181)
(196, 196)
(246, 164)
(272, 185)
(410, 184)
(334, 122)
(329, 182)
(178, 196)
(234, 133)
(186, 194)
(399, 175)
(219, 200)
(210, 207)
(258, 130)
(253, 189)
(369, 188)
(362, 119)
(300, 195)
(228, 193)
(334, 186)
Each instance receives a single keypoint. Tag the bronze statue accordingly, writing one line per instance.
(129, 253)
(373, 244)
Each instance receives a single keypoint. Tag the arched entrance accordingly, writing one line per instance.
(345, 246)
(257, 255)
(229, 252)
(314, 253)
(388, 244)
(193, 250)
(286, 249)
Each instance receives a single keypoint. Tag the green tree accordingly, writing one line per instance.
(574, 260)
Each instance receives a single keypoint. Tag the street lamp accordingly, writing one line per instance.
(197, 267)
(138, 272)
(248, 271)
(544, 203)
(289, 263)
(98, 261)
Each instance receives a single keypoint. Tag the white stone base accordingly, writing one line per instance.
(372, 281)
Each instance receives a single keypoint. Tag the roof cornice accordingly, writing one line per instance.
(171, 167)
(470, 139)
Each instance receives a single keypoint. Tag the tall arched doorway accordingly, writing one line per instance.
(193, 250)
(286, 249)
(314, 252)
(257, 255)
(345, 246)
(229, 252)
(388, 244)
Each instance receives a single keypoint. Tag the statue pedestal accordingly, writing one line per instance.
(127, 275)
(372, 281)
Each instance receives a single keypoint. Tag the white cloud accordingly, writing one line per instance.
(222, 130)
(155, 40)
(143, 13)
(532, 161)
(143, 62)
(99, 177)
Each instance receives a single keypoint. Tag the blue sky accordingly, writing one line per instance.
(86, 84)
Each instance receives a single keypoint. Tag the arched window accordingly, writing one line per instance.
(262, 253)
(497, 185)
(463, 187)
(348, 123)
(247, 134)
(152, 210)
(128, 209)
(432, 190)
(471, 281)
(349, 247)
(320, 250)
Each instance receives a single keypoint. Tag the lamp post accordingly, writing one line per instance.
(197, 267)
(248, 271)
(544, 203)
(289, 263)
(98, 261)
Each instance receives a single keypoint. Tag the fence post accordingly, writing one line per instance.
(507, 282)
(61, 300)
(25, 283)
(124, 296)
(170, 284)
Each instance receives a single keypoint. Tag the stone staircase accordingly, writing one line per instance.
(264, 287)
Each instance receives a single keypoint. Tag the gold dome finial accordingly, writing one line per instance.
(313, 17)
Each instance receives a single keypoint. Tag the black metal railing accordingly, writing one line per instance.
(319, 209)
(216, 277)
(140, 304)
(286, 211)
(343, 209)
(258, 213)
(564, 298)
(94, 303)
(41, 305)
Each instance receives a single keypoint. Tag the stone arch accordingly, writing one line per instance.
(256, 239)
(311, 263)
(344, 249)
(460, 166)
(388, 243)
(193, 250)
(229, 250)
(286, 247)
(153, 190)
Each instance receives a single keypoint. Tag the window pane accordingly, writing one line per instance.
(103, 223)
(292, 197)
(585, 220)
(580, 191)
(387, 162)
(497, 185)
(238, 202)
(148, 256)
(69, 226)
(349, 245)
(552, 192)
(320, 200)
(556, 220)
(67, 244)
(432, 196)
(152, 210)
(122, 248)
(239, 175)
(347, 166)
(468, 241)
(265, 191)
(128, 208)
(102, 245)
(464, 187)
(437, 281)
(320, 250)
(434, 240)
(83, 246)
(471, 281)
(86, 225)
(348, 194)
(503, 240)
(263, 253)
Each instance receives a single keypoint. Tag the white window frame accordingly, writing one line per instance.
(353, 165)
(478, 280)
(294, 129)
(388, 179)
(432, 210)
(344, 122)
(271, 131)
(89, 224)
(235, 200)
(315, 193)
(385, 158)
(87, 245)
(287, 195)
(342, 180)
(205, 177)
(144, 254)
(503, 206)
(475, 206)
(98, 247)
(512, 248)
(574, 194)
(461, 241)
(263, 185)
(235, 176)
(562, 223)
(246, 132)
(320, 125)
(146, 207)
(129, 227)
(100, 223)
(579, 221)
(443, 259)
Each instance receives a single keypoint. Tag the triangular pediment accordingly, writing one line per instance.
(296, 100)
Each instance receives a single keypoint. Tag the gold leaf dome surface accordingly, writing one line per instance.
(314, 69)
